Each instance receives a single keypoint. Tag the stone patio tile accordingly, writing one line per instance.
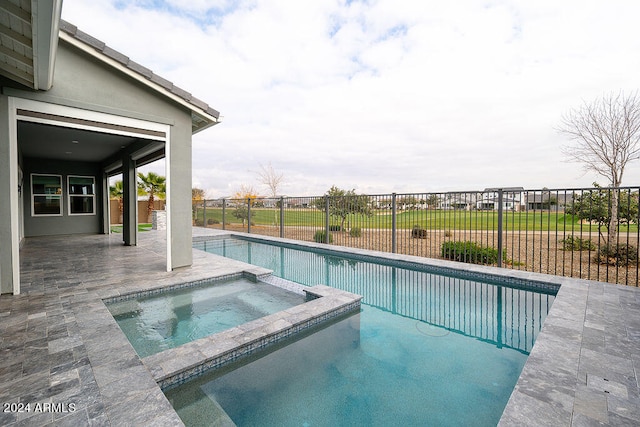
(35, 419)
(581, 420)
(591, 403)
(628, 407)
(599, 363)
(529, 411)
(73, 419)
(150, 409)
(106, 373)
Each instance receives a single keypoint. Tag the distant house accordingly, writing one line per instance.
(511, 198)
(75, 112)
(548, 200)
(459, 201)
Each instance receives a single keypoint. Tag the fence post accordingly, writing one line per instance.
(224, 211)
(326, 219)
(394, 242)
(204, 213)
(281, 216)
(249, 215)
(500, 198)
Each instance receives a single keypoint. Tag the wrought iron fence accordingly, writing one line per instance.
(562, 232)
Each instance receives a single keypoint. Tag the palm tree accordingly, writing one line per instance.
(153, 185)
(116, 191)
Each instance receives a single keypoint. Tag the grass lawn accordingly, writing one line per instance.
(427, 219)
(141, 227)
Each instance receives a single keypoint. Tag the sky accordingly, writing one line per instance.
(381, 96)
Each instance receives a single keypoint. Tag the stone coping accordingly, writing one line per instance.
(178, 365)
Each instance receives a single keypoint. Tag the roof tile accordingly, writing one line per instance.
(162, 81)
(90, 40)
(181, 93)
(114, 54)
(140, 69)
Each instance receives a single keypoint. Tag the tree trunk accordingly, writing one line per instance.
(150, 207)
(612, 236)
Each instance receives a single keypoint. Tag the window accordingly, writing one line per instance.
(46, 195)
(81, 195)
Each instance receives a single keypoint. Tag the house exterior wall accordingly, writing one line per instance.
(86, 83)
(89, 83)
(65, 223)
(83, 79)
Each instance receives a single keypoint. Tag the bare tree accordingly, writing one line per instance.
(606, 136)
(272, 179)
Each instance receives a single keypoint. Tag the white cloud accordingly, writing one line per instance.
(380, 96)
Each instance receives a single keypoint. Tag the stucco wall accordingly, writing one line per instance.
(65, 224)
(91, 84)
(81, 81)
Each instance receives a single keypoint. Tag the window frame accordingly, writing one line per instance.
(59, 196)
(92, 195)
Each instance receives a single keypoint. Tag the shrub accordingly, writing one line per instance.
(621, 254)
(572, 243)
(334, 228)
(418, 233)
(319, 237)
(199, 223)
(355, 232)
(212, 221)
(469, 252)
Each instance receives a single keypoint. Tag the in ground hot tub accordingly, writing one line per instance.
(165, 320)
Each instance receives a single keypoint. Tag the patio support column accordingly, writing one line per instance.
(178, 195)
(106, 205)
(9, 199)
(130, 201)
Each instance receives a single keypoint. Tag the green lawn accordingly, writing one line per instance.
(141, 227)
(427, 219)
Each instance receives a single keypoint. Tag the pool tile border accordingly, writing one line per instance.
(254, 275)
(178, 365)
(393, 260)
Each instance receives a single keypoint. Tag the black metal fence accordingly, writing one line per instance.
(562, 232)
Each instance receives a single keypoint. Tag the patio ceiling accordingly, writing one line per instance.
(63, 143)
(28, 41)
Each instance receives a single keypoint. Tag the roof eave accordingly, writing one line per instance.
(45, 25)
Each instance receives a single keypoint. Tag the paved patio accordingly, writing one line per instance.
(61, 351)
(60, 346)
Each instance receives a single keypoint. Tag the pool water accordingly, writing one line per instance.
(372, 369)
(426, 349)
(163, 321)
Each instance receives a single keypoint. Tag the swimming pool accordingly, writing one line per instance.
(155, 323)
(426, 349)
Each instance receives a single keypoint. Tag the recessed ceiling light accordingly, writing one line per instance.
(74, 142)
(67, 152)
